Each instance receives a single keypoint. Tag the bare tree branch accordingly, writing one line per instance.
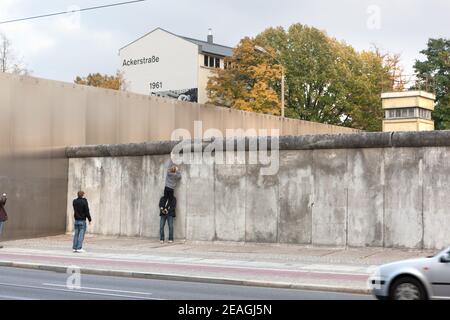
(9, 63)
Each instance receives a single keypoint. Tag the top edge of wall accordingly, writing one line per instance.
(30, 80)
(306, 142)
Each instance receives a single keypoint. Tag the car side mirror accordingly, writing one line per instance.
(445, 258)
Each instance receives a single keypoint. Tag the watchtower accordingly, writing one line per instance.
(408, 111)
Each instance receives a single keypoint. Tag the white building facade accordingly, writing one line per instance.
(164, 64)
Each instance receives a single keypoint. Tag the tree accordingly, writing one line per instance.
(326, 80)
(392, 61)
(378, 72)
(249, 84)
(435, 71)
(362, 86)
(8, 61)
(115, 82)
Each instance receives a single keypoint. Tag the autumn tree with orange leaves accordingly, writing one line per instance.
(249, 83)
(115, 82)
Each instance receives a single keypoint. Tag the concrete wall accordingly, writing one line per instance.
(330, 190)
(40, 118)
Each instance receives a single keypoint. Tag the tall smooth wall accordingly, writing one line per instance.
(40, 118)
(394, 196)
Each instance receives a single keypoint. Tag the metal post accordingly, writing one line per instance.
(282, 91)
(283, 72)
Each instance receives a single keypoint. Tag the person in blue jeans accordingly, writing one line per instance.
(167, 207)
(168, 203)
(81, 213)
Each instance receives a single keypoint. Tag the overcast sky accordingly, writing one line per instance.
(60, 48)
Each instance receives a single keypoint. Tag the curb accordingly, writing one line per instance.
(175, 277)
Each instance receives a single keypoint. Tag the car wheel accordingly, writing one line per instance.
(407, 288)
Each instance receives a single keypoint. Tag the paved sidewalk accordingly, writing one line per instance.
(282, 266)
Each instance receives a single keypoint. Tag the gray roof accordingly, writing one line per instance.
(213, 48)
(204, 46)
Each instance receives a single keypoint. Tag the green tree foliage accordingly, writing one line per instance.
(326, 80)
(435, 72)
(102, 81)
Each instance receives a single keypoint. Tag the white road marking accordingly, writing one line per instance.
(76, 291)
(99, 289)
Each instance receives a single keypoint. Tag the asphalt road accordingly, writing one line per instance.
(23, 284)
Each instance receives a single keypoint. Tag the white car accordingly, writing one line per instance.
(418, 279)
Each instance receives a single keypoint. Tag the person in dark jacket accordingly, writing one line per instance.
(168, 203)
(81, 213)
(3, 214)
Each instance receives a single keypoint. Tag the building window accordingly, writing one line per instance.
(401, 113)
(211, 62)
(425, 114)
(406, 113)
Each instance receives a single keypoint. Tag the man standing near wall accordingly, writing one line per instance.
(3, 214)
(168, 203)
(81, 213)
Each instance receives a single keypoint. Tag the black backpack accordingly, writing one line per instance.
(167, 206)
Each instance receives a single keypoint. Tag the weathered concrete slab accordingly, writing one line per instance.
(182, 199)
(75, 184)
(329, 214)
(365, 168)
(109, 219)
(151, 192)
(85, 175)
(296, 192)
(131, 200)
(436, 198)
(92, 173)
(230, 186)
(261, 206)
(200, 224)
(403, 198)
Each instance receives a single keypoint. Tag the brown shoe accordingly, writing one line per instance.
(162, 242)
